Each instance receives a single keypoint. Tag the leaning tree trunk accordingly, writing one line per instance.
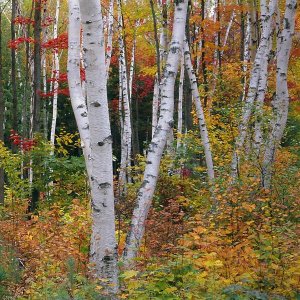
(103, 249)
(281, 102)
(261, 55)
(165, 123)
(199, 111)
(180, 102)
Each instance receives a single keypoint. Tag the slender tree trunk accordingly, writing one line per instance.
(103, 249)
(203, 62)
(261, 56)
(180, 102)
(159, 46)
(13, 69)
(246, 56)
(200, 113)
(44, 70)
(233, 14)
(261, 91)
(74, 82)
(36, 104)
(281, 102)
(2, 109)
(165, 123)
(110, 33)
(27, 91)
(37, 68)
(56, 78)
(126, 136)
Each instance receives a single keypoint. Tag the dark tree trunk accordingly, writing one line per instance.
(27, 87)
(36, 91)
(37, 68)
(13, 69)
(203, 63)
(2, 108)
(219, 39)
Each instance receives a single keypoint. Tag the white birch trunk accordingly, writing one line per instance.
(246, 54)
(261, 55)
(110, 33)
(103, 248)
(281, 102)
(228, 30)
(156, 148)
(180, 102)
(261, 91)
(199, 111)
(127, 128)
(74, 82)
(56, 76)
(131, 69)
(155, 105)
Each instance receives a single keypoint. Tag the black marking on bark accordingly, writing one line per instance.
(145, 182)
(94, 207)
(104, 205)
(80, 106)
(84, 114)
(107, 258)
(148, 162)
(287, 23)
(104, 185)
(88, 22)
(95, 104)
(150, 175)
(88, 34)
(107, 140)
(92, 178)
(171, 123)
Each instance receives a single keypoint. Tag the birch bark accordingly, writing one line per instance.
(103, 248)
(110, 33)
(74, 81)
(281, 102)
(180, 102)
(165, 122)
(126, 134)
(199, 111)
(261, 56)
(56, 76)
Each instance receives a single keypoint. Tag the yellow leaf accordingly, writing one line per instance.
(130, 274)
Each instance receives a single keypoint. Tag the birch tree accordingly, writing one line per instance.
(74, 81)
(110, 33)
(158, 142)
(103, 248)
(281, 101)
(199, 111)
(56, 76)
(126, 129)
(261, 56)
(2, 110)
(180, 103)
